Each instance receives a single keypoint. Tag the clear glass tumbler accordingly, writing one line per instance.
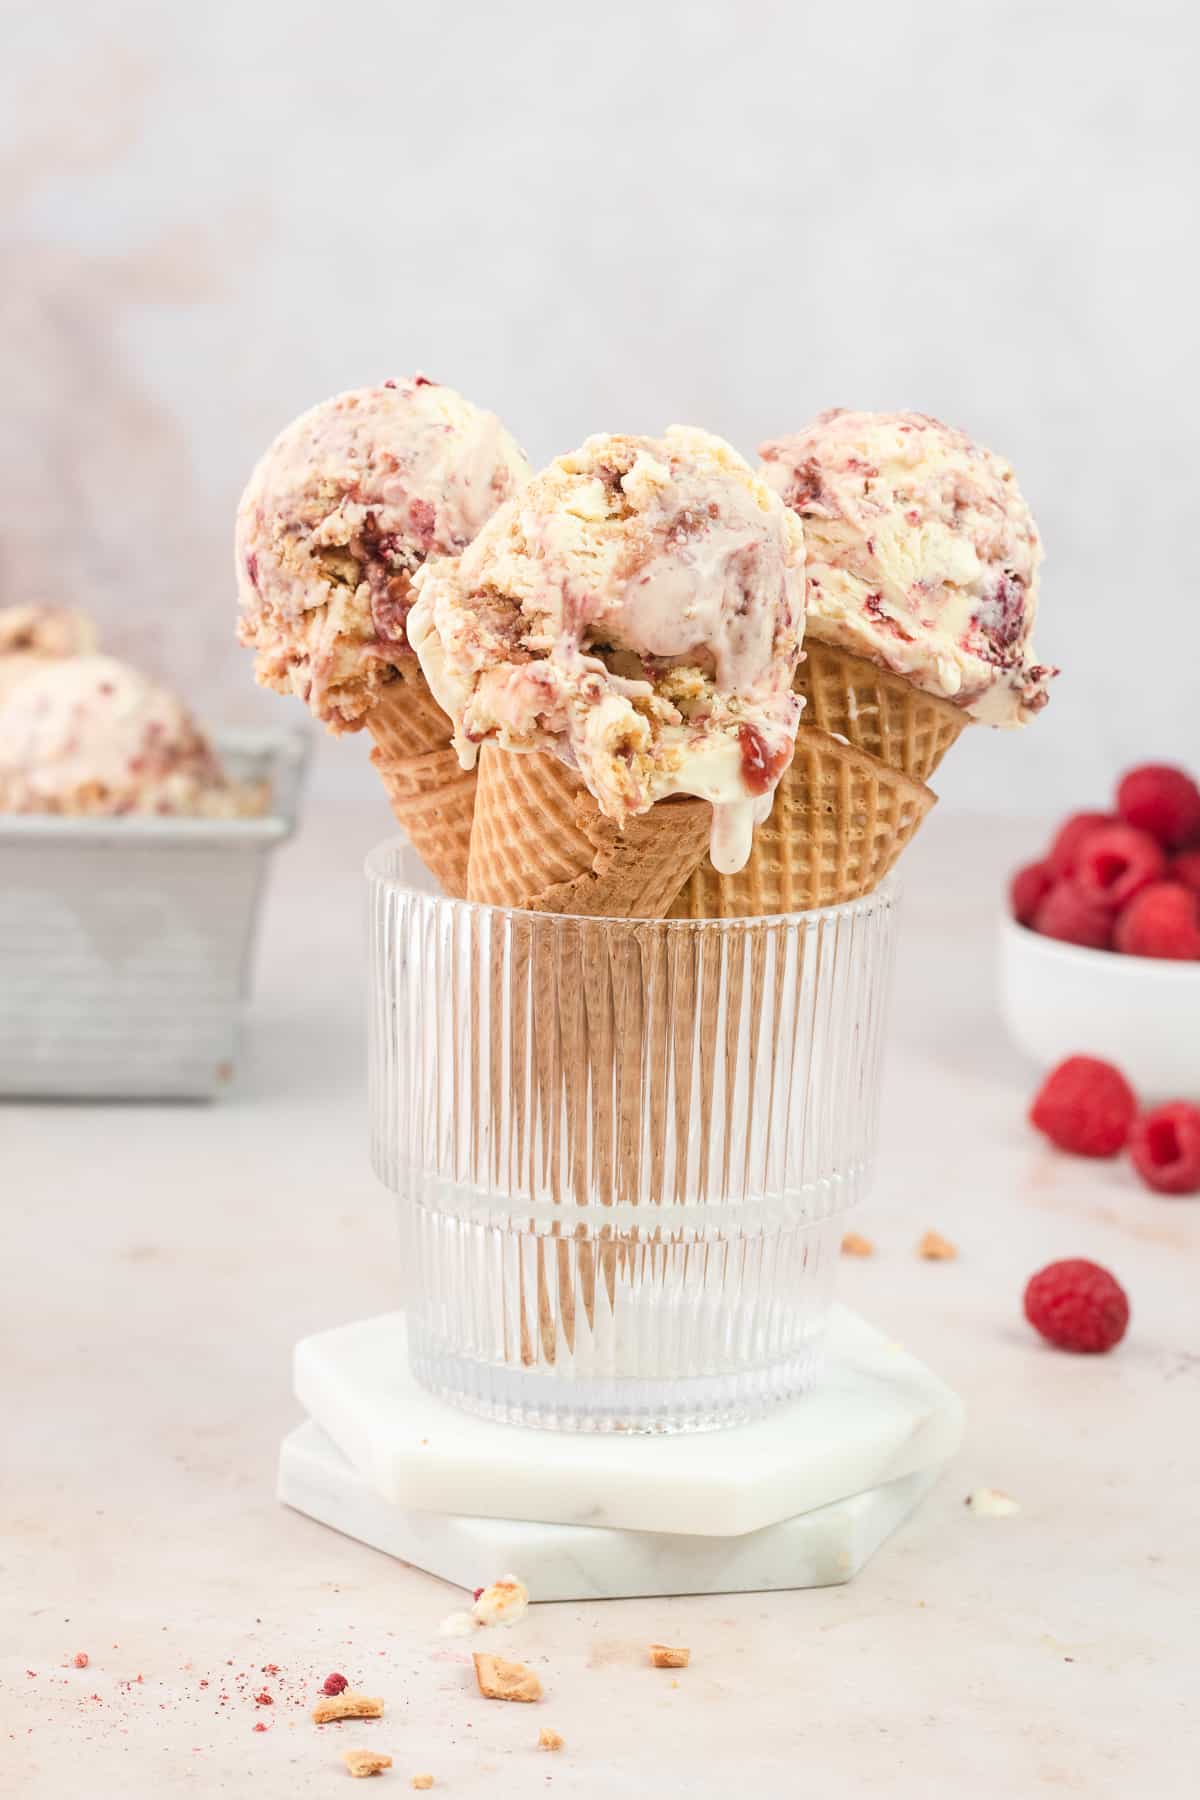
(623, 1148)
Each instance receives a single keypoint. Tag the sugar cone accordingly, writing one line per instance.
(839, 821)
(431, 796)
(540, 842)
(876, 711)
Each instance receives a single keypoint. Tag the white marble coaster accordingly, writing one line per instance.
(585, 1562)
(877, 1414)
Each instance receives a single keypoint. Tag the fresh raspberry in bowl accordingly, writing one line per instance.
(1070, 837)
(1162, 920)
(1064, 913)
(1115, 862)
(1163, 801)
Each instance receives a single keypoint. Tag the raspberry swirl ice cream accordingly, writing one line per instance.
(637, 610)
(922, 556)
(90, 735)
(340, 513)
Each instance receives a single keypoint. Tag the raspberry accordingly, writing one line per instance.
(1164, 1147)
(1163, 920)
(334, 1684)
(1115, 863)
(1161, 800)
(1085, 1106)
(1066, 915)
(1186, 868)
(1077, 1305)
(1065, 848)
(1027, 889)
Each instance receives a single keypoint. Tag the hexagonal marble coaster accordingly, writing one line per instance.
(587, 1562)
(876, 1415)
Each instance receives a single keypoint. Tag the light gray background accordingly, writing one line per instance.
(611, 218)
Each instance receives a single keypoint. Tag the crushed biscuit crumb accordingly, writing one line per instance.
(346, 1705)
(935, 1248)
(669, 1656)
(549, 1739)
(502, 1680)
(366, 1762)
(422, 1781)
(855, 1244)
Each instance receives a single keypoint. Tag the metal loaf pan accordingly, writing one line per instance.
(126, 944)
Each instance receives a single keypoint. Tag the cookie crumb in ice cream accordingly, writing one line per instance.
(549, 1739)
(503, 1603)
(347, 1705)
(854, 1244)
(991, 1503)
(669, 1656)
(502, 1680)
(366, 1762)
(933, 1247)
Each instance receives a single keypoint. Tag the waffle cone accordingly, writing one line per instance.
(406, 720)
(431, 796)
(839, 821)
(874, 710)
(540, 842)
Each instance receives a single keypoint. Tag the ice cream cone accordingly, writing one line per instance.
(839, 822)
(541, 843)
(849, 697)
(431, 796)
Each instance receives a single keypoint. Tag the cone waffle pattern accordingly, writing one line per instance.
(876, 711)
(540, 842)
(840, 820)
(431, 796)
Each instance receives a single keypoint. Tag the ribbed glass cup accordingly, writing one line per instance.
(623, 1148)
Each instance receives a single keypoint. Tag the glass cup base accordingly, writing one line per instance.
(612, 1404)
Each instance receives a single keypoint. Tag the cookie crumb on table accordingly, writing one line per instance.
(502, 1680)
(669, 1656)
(549, 1739)
(991, 1503)
(855, 1244)
(422, 1781)
(366, 1762)
(935, 1248)
(346, 1705)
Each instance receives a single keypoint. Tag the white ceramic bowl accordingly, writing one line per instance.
(1139, 1012)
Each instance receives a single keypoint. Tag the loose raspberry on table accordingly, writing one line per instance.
(1164, 1148)
(1027, 889)
(1117, 862)
(1064, 850)
(1163, 920)
(1065, 914)
(1186, 868)
(1085, 1106)
(1161, 800)
(1077, 1305)
(334, 1684)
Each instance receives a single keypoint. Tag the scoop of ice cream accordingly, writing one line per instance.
(339, 514)
(637, 610)
(922, 555)
(90, 735)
